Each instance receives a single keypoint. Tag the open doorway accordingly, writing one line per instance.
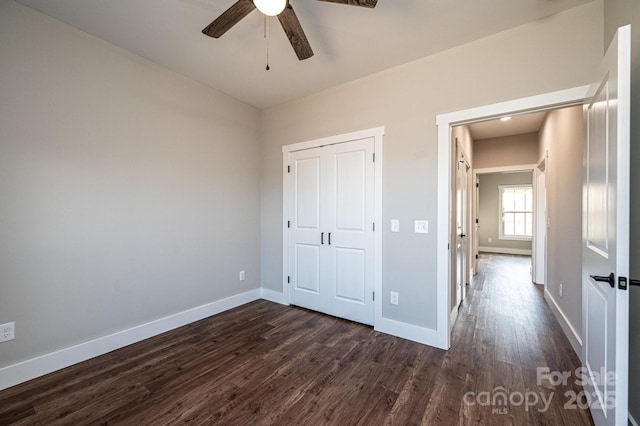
(503, 156)
(511, 171)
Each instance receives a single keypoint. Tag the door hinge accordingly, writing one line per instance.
(476, 256)
(374, 296)
(374, 157)
(448, 246)
(477, 221)
(288, 279)
(477, 185)
(288, 169)
(374, 227)
(622, 283)
(288, 224)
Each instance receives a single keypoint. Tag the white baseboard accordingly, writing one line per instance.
(569, 331)
(426, 336)
(39, 366)
(632, 420)
(503, 250)
(272, 296)
(45, 364)
(453, 316)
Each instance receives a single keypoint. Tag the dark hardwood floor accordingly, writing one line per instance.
(263, 363)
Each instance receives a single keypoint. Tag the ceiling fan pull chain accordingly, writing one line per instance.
(266, 36)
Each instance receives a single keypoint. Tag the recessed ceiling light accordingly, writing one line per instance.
(505, 119)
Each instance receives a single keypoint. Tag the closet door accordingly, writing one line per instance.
(306, 237)
(349, 206)
(331, 236)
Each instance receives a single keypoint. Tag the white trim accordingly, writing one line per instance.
(453, 316)
(272, 296)
(444, 122)
(444, 239)
(504, 250)
(569, 331)
(377, 133)
(426, 336)
(632, 420)
(544, 102)
(53, 361)
(377, 277)
(505, 169)
(332, 140)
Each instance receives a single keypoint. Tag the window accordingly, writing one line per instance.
(516, 212)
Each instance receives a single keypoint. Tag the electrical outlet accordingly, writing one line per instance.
(560, 290)
(7, 331)
(242, 276)
(395, 225)
(421, 226)
(394, 298)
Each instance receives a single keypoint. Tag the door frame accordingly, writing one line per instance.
(524, 168)
(377, 133)
(466, 223)
(540, 215)
(446, 149)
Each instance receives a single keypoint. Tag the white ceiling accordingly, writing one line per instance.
(518, 125)
(349, 42)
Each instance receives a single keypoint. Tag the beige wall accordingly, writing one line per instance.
(562, 135)
(489, 211)
(506, 151)
(616, 14)
(129, 193)
(562, 49)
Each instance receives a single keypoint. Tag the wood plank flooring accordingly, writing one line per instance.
(263, 363)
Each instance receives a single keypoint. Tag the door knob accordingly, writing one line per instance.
(611, 279)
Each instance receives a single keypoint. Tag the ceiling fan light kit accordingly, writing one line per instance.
(280, 8)
(270, 7)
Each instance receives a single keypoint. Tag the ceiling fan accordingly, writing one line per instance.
(280, 8)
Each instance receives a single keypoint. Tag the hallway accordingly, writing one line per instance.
(506, 332)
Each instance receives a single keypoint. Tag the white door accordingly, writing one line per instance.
(306, 227)
(462, 246)
(605, 315)
(476, 226)
(332, 230)
(540, 241)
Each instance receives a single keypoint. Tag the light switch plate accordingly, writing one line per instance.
(421, 226)
(395, 225)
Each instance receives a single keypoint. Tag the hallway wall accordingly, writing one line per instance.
(562, 136)
(506, 151)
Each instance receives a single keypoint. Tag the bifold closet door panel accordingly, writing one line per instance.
(350, 214)
(305, 238)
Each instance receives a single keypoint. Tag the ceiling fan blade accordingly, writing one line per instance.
(229, 18)
(363, 3)
(293, 29)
